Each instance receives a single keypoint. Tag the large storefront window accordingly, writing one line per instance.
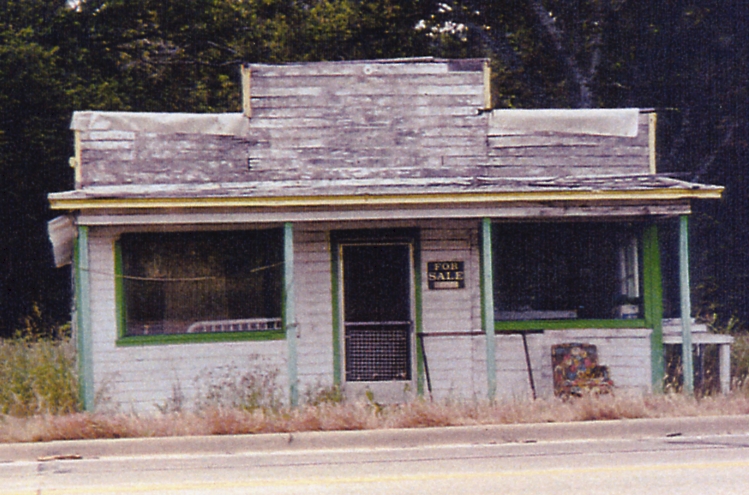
(201, 282)
(565, 271)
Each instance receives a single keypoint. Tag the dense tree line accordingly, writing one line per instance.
(688, 59)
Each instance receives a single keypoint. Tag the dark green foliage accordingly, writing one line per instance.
(34, 146)
(687, 58)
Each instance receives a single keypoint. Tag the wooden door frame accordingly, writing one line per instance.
(409, 236)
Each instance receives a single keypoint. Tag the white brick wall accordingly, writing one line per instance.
(457, 365)
(142, 377)
(312, 262)
(626, 352)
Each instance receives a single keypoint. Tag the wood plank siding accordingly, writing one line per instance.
(143, 378)
(395, 131)
(110, 158)
(375, 148)
(365, 120)
(404, 134)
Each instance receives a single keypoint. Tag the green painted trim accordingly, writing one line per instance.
(84, 330)
(288, 311)
(77, 317)
(335, 289)
(511, 325)
(653, 301)
(487, 306)
(418, 322)
(200, 338)
(124, 340)
(686, 306)
(119, 292)
(340, 237)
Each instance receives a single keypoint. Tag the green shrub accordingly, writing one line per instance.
(37, 376)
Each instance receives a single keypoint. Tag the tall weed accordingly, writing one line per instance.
(740, 362)
(37, 376)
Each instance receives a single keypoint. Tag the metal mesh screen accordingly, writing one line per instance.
(378, 352)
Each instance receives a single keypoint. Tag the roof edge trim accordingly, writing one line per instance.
(668, 194)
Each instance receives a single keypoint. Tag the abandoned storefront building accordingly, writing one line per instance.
(372, 225)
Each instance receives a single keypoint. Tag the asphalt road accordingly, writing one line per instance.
(670, 461)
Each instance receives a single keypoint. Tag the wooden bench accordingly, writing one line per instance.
(700, 338)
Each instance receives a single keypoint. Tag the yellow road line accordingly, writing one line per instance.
(331, 481)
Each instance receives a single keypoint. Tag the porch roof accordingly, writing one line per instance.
(405, 192)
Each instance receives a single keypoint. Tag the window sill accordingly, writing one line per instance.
(508, 326)
(200, 338)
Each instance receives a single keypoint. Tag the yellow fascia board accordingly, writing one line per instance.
(667, 194)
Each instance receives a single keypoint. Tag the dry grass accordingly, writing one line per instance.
(360, 416)
(38, 402)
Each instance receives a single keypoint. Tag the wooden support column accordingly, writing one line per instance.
(418, 319)
(335, 294)
(76, 159)
(487, 306)
(246, 91)
(84, 335)
(487, 86)
(653, 300)
(724, 363)
(289, 313)
(686, 306)
(652, 126)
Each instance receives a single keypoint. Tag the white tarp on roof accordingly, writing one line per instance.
(222, 124)
(620, 122)
(62, 233)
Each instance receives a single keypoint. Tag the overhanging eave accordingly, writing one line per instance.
(81, 202)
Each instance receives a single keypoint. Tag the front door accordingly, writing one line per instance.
(377, 319)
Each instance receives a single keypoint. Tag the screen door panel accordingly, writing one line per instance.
(377, 312)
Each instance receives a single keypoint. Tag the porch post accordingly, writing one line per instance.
(418, 327)
(336, 317)
(653, 300)
(84, 337)
(686, 306)
(289, 314)
(487, 306)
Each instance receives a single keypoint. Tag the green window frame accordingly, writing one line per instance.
(630, 272)
(186, 260)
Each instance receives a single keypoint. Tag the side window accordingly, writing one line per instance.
(201, 282)
(545, 271)
(629, 297)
